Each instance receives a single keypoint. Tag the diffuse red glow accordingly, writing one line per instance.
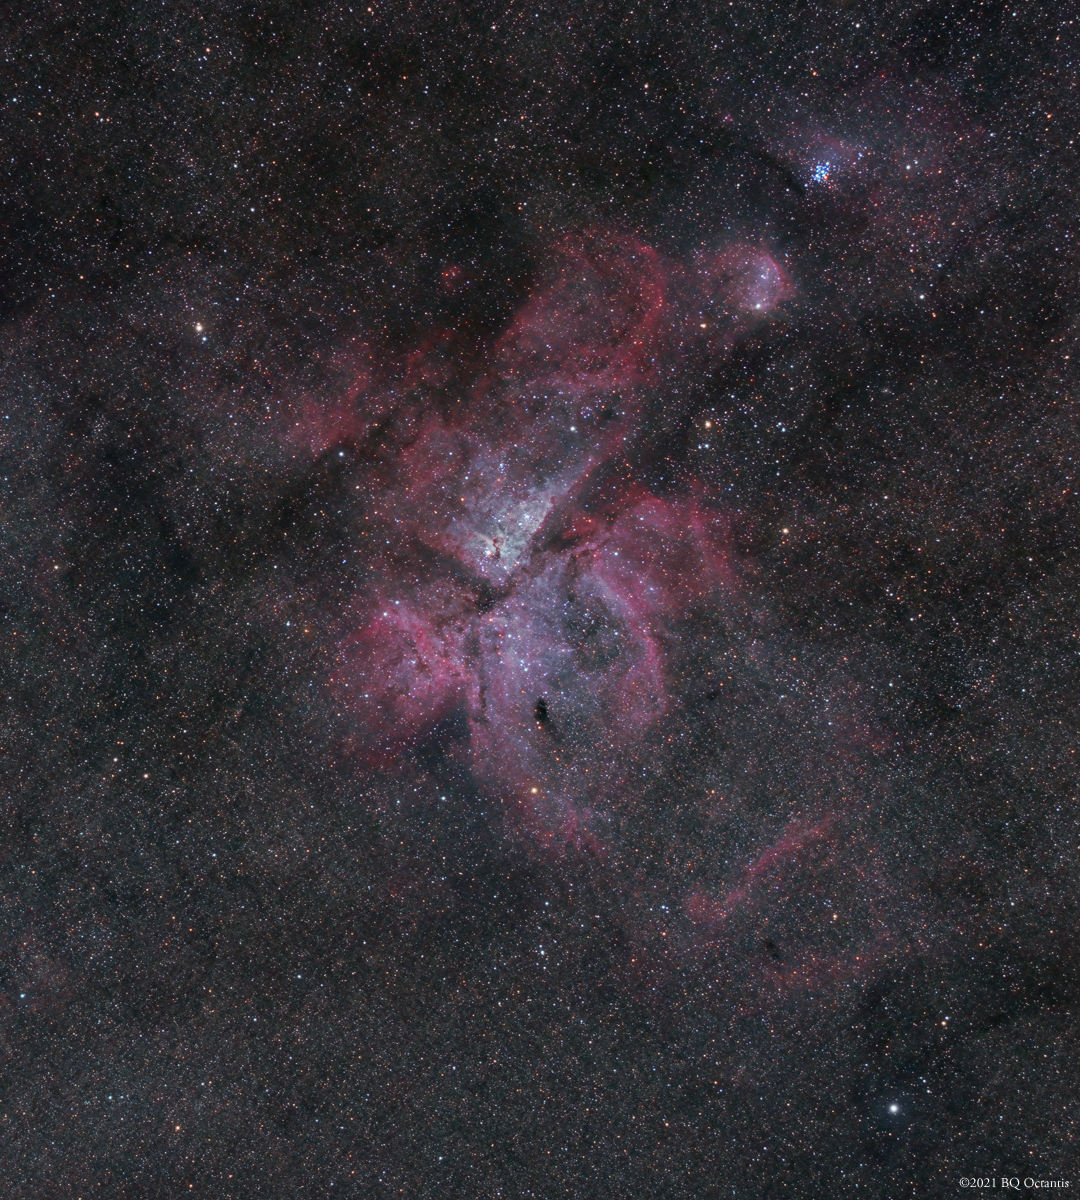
(529, 618)
(539, 614)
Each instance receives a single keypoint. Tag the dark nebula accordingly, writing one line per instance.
(539, 600)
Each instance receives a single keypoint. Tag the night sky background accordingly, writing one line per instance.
(538, 598)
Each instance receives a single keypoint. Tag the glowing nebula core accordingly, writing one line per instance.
(547, 584)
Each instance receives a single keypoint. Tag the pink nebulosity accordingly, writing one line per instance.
(573, 660)
(743, 278)
(364, 399)
(541, 615)
(405, 667)
(600, 326)
(712, 911)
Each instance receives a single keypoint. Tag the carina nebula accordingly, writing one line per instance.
(546, 583)
(538, 574)
(551, 616)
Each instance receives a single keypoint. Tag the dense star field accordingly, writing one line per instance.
(538, 599)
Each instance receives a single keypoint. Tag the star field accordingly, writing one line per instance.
(538, 599)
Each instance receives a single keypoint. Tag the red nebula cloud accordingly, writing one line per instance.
(530, 620)
(712, 911)
(405, 667)
(743, 278)
(600, 326)
(541, 616)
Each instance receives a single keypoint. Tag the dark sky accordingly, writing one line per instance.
(539, 599)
